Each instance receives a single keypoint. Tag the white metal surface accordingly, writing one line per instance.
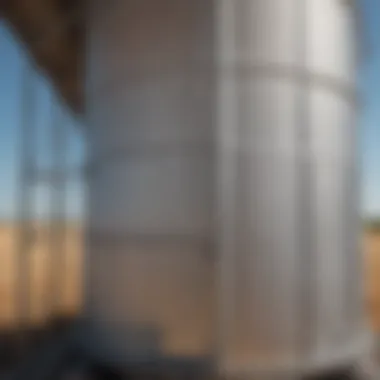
(291, 282)
(285, 182)
(150, 255)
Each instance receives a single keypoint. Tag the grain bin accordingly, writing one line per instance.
(271, 84)
(290, 275)
(150, 263)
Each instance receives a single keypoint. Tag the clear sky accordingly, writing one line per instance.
(370, 117)
(12, 62)
(12, 59)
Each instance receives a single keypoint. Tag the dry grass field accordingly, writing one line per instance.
(371, 249)
(70, 273)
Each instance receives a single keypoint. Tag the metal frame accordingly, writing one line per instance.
(57, 207)
(25, 198)
(30, 176)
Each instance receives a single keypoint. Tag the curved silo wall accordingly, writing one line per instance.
(150, 264)
(286, 271)
(291, 278)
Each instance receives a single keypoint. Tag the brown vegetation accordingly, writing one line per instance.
(68, 275)
(372, 269)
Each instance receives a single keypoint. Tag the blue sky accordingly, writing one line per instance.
(370, 117)
(13, 58)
